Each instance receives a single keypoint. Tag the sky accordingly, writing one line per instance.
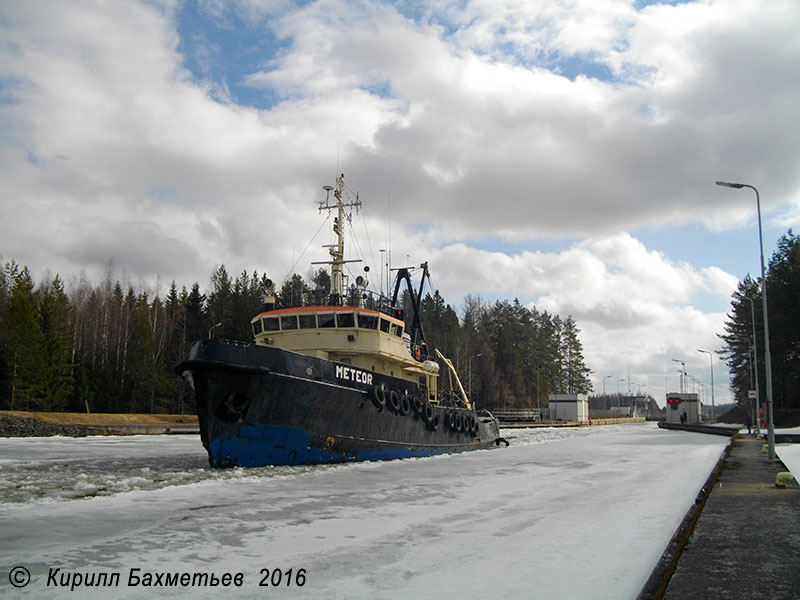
(563, 152)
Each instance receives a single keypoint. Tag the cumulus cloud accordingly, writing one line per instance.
(633, 305)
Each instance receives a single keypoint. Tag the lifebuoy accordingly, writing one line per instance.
(418, 353)
(393, 403)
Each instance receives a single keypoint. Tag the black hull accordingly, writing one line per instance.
(262, 405)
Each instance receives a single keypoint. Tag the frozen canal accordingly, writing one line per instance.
(562, 513)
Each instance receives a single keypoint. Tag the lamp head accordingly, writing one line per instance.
(738, 186)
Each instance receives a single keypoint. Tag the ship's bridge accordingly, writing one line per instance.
(358, 336)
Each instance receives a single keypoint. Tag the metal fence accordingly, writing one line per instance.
(517, 414)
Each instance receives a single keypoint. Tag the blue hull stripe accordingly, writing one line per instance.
(260, 445)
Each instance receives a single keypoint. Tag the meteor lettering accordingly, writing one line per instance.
(351, 374)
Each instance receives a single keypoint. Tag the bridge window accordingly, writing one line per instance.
(384, 326)
(289, 322)
(345, 320)
(367, 321)
(326, 320)
(397, 330)
(308, 321)
(271, 324)
(257, 327)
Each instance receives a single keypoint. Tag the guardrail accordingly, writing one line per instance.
(517, 414)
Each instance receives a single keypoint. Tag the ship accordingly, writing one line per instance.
(345, 375)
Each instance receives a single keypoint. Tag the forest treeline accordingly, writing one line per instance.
(113, 347)
(745, 359)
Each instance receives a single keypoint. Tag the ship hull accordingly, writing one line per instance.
(262, 406)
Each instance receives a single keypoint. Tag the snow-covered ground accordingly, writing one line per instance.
(790, 453)
(562, 513)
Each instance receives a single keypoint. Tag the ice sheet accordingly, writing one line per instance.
(562, 513)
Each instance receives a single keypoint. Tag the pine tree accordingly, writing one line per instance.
(743, 363)
(783, 283)
(292, 292)
(140, 358)
(196, 315)
(5, 381)
(247, 301)
(220, 303)
(321, 281)
(25, 342)
(576, 374)
(783, 286)
(56, 347)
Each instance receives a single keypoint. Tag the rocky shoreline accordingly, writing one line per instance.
(12, 426)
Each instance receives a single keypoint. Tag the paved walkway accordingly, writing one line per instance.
(746, 542)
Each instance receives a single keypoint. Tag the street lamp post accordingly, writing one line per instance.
(713, 405)
(604, 383)
(767, 358)
(683, 372)
(755, 359)
(619, 404)
(212, 328)
(629, 398)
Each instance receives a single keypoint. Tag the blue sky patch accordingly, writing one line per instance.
(162, 193)
(574, 66)
(227, 52)
(702, 247)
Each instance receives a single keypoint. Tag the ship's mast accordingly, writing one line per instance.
(337, 250)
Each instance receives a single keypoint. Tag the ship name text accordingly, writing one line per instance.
(351, 374)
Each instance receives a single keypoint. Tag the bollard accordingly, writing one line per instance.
(765, 448)
(782, 478)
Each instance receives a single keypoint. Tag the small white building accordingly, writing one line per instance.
(688, 405)
(569, 407)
